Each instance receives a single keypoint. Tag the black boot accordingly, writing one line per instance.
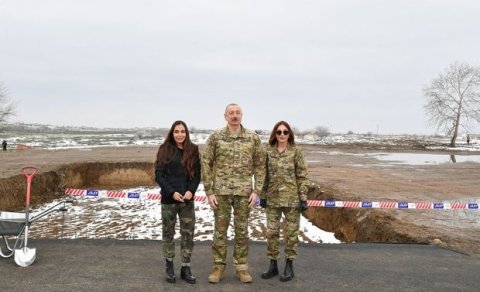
(170, 275)
(272, 270)
(288, 272)
(186, 274)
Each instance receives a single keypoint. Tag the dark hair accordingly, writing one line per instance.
(273, 135)
(166, 151)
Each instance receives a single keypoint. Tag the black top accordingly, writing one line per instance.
(174, 178)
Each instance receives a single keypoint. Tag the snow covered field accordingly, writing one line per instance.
(141, 219)
(129, 138)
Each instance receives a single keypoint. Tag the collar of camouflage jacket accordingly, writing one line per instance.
(241, 133)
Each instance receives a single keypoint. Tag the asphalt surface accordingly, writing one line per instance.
(114, 265)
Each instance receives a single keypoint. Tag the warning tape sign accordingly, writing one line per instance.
(312, 203)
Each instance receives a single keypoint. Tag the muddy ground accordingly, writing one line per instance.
(337, 173)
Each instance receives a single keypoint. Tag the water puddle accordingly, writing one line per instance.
(423, 159)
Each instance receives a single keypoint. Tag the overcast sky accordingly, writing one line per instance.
(346, 65)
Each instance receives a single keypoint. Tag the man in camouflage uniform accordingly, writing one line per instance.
(284, 191)
(233, 155)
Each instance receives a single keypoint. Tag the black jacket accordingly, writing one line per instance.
(174, 178)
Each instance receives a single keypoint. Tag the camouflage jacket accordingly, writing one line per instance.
(231, 160)
(286, 182)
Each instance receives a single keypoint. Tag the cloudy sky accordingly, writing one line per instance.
(347, 65)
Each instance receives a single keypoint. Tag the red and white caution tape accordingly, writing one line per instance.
(121, 195)
(393, 205)
(311, 203)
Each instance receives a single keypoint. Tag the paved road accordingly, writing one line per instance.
(111, 265)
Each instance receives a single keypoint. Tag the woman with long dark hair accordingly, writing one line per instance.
(284, 191)
(177, 171)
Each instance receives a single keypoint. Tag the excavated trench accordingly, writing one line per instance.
(47, 186)
(349, 225)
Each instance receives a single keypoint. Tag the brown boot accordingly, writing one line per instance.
(244, 276)
(217, 274)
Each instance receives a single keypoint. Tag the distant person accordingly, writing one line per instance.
(468, 139)
(4, 145)
(177, 171)
(232, 157)
(284, 191)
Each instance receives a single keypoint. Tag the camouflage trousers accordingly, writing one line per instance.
(222, 221)
(290, 230)
(186, 214)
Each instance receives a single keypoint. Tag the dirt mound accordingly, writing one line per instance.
(382, 226)
(51, 185)
(354, 225)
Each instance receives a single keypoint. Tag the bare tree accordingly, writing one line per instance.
(453, 99)
(321, 131)
(7, 108)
